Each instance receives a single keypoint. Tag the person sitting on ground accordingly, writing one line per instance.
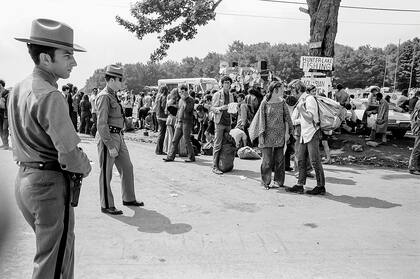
(403, 101)
(351, 123)
(372, 105)
(381, 123)
(273, 126)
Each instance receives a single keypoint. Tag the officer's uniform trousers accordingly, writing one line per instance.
(124, 167)
(43, 199)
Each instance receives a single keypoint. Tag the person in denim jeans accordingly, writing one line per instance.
(307, 108)
(221, 100)
(297, 89)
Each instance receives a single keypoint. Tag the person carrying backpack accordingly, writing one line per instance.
(308, 117)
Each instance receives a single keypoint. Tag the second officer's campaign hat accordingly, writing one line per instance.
(114, 71)
(48, 32)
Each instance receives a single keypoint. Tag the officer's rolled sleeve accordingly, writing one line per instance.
(54, 118)
(102, 105)
(75, 161)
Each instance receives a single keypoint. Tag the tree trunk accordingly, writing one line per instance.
(323, 26)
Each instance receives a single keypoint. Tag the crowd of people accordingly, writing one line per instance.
(281, 121)
(189, 123)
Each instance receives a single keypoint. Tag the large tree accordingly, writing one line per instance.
(176, 20)
(323, 26)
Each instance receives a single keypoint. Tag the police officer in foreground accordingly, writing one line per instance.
(45, 146)
(111, 145)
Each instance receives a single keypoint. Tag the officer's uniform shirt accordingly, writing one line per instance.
(109, 114)
(41, 127)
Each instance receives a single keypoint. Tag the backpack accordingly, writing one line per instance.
(227, 153)
(331, 113)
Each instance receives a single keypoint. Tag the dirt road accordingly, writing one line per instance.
(199, 225)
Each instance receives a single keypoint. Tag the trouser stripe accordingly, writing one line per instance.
(63, 241)
(104, 171)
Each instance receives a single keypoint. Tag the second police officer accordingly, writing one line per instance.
(111, 145)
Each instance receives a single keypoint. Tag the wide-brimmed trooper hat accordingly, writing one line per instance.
(114, 70)
(48, 32)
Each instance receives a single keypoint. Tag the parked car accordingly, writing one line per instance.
(398, 122)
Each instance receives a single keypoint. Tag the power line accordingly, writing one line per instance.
(261, 16)
(349, 7)
(300, 19)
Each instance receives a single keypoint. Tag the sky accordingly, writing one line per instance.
(107, 42)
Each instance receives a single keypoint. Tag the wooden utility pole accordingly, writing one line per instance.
(396, 65)
(412, 67)
(386, 60)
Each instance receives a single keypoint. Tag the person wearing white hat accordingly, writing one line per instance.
(111, 145)
(45, 147)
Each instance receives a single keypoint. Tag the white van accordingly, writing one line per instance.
(195, 84)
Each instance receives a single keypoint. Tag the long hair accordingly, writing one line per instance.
(164, 90)
(273, 85)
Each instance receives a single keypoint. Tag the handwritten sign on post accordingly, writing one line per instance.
(316, 63)
(323, 84)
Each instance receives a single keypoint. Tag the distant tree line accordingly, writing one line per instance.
(354, 68)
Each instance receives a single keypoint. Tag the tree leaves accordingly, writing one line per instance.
(172, 20)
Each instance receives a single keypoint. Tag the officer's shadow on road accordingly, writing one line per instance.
(150, 221)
